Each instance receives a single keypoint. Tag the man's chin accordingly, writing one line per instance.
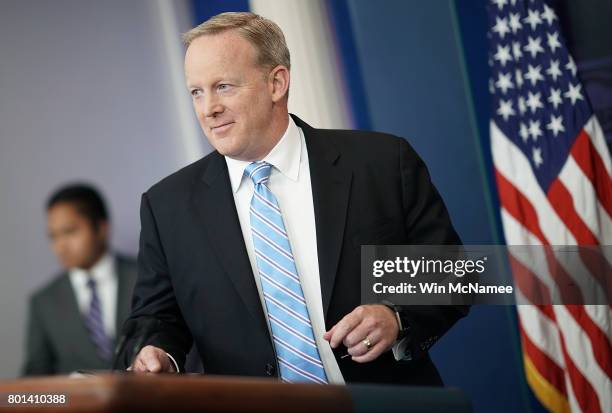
(79, 264)
(227, 150)
(69, 264)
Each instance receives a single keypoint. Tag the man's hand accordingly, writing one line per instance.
(374, 324)
(152, 360)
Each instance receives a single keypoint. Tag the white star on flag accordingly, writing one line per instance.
(534, 129)
(549, 15)
(515, 22)
(571, 66)
(505, 109)
(518, 77)
(501, 27)
(534, 46)
(555, 125)
(500, 3)
(524, 132)
(534, 102)
(504, 83)
(554, 70)
(521, 105)
(533, 18)
(573, 93)
(555, 97)
(533, 74)
(553, 41)
(537, 157)
(516, 50)
(503, 55)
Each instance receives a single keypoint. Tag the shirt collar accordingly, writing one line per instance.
(101, 272)
(284, 157)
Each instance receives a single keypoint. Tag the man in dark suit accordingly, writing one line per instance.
(73, 319)
(253, 252)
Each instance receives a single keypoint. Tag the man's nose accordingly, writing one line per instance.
(59, 247)
(212, 106)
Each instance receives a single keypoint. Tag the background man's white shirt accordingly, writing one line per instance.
(105, 275)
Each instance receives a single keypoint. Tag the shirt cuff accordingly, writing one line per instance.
(400, 350)
(174, 362)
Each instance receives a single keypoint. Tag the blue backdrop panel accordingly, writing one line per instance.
(204, 9)
(472, 17)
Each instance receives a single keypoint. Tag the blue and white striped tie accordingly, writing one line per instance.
(296, 349)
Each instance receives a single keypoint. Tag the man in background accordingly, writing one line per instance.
(73, 320)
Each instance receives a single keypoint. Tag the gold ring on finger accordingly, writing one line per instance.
(366, 341)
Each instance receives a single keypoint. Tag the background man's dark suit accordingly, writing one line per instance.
(196, 279)
(58, 341)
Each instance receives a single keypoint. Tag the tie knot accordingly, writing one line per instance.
(259, 172)
(91, 283)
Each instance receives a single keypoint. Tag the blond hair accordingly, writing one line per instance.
(263, 34)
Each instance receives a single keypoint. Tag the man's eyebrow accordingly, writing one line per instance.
(218, 79)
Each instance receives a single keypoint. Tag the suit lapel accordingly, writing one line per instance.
(331, 184)
(214, 205)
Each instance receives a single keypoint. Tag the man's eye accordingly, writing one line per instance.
(196, 92)
(223, 87)
(69, 231)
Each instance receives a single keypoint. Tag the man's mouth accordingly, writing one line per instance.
(222, 127)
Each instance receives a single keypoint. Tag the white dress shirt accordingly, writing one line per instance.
(105, 275)
(290, 184)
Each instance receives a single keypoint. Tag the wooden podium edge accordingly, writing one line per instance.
(125, 392)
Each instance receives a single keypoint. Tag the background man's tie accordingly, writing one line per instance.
(296, 349)
(93, 322)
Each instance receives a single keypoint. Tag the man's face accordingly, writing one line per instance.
(75, 241)
(232, 95)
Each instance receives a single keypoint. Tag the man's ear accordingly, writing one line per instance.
(279, 83)
(103, 230)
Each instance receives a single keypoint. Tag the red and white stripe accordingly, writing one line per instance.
(569, 345)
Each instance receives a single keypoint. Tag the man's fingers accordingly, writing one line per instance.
(375, 322)
(357, 335)
(152, 360)
(372, 354)
(345, 326)
(359, 348)
(328, 334)
(138, 366)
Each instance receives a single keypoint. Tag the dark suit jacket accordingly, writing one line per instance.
(196, 280)
(57, 339)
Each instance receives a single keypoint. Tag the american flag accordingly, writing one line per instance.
(552, 169)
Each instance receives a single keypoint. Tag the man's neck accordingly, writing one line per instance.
(95, 260)
(278, 130)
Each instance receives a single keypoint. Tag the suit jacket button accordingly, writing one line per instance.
(270, 369)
